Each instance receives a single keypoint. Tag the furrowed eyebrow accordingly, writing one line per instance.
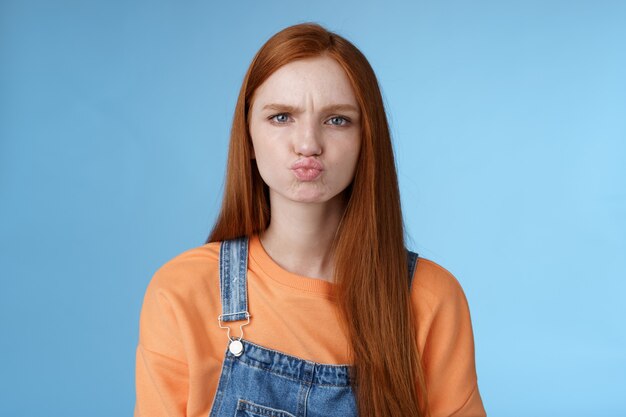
(295, 110)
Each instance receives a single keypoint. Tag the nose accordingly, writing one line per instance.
(307, 140)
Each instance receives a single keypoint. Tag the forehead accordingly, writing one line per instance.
(319, 80)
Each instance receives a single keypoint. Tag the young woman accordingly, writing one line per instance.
(304, 301)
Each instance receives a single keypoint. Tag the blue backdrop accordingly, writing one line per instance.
(509, 124)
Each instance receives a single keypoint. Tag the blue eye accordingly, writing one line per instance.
(280, 118)
(341, 121)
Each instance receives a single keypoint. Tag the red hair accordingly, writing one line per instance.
(370, 269)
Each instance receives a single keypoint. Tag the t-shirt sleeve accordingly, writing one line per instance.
(448, 347)
(161, 374)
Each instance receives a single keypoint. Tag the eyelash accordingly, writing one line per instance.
(346, 120)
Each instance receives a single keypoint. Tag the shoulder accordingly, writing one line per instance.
(178, 289)
(434, 286)
(445, 341)
(443, 315)
(187, 270)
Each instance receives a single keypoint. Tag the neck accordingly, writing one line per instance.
(300, 235)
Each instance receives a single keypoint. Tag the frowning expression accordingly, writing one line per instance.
(305, 126)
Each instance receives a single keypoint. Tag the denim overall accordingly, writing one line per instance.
(257, 381)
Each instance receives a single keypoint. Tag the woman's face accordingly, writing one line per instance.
(305, 125)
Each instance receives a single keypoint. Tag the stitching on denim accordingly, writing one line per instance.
(347, 366)
(263, 410)
(283, 375)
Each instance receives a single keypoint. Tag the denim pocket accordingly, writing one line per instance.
(249, 409)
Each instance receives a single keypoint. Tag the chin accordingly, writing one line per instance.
(311, 197)
(311, 200)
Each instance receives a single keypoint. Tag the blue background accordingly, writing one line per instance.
(509, 124)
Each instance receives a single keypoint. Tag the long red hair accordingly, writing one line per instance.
(370, 269)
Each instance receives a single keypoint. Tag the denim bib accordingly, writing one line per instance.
(256, 381)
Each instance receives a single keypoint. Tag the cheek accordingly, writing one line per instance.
(258, 144)
(263, 160)
(268, 160)
(345, 161)
(351, 152)
(351, 164)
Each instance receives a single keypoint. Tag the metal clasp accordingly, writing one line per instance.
(220, 318)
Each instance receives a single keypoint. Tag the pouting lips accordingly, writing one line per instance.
(307, 174)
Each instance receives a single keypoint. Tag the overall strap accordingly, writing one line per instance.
(412, 259)
(233, 270)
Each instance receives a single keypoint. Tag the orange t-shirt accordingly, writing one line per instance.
(181, 346)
